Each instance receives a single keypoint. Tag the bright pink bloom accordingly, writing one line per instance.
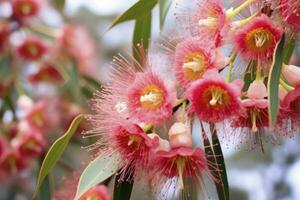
(30, 143)
(213, 99)
(257, 40)
(193, 57)
(180, 163)
(150, 99)
(134, 146)
(256, 116)
(290, 10)
(209, 19)
(96, 193)
(12, 162)
(23, 9)
(290, 110)
(46, 73)
(32, 49)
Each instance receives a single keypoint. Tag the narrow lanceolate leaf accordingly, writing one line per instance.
(141, 36)
(273, 81)
(138, 10)
(222, 186)
(290, 45)
(56, 151)
(164, 6)
(97, 171)
(122, 190)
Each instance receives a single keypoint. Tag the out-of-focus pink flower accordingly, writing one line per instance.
(257, 40)
(2, 146)
(290, 10)
(37, 115)
(292, 74)
(151, 99)
(47, 73)
(193, 57)
(29, 143)
(96, 193)
(12, 162)
(257, 90)
(79, 44)
(24, 9)
(179, 163)
(213, 99)
(32, 49)
(180, 135)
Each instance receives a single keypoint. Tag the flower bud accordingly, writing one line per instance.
(257, 90)
(180, 135)
(164, 145)
(220, 60)
(292, 74)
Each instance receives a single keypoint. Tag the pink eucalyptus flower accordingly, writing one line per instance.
(32, 49)
(193, 57)
(292, 74)
(213, 99)
(30, 144)
(96, 193)
(290, 110)
(290, 10)
(208, 19)
(257, 40)
(151, 99)
(134, 146)
(179, 164)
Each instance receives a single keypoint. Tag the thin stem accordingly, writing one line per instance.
(236, 11)
(286, 86)
(230, 66)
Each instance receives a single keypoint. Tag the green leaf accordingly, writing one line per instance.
(45, 192)
(289, 49)
(138, 10)
(164, 6)
(122, 190)
(97, 171)
(141, 36)
(59, 4)
(56, 151)
(222, 186)
(273, 82)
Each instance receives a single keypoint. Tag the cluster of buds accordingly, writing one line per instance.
(133, 113)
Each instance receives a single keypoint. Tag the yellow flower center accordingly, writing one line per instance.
(194, 66)
(152, 97)
(25, 8)
(259, 40)
(216, 97)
